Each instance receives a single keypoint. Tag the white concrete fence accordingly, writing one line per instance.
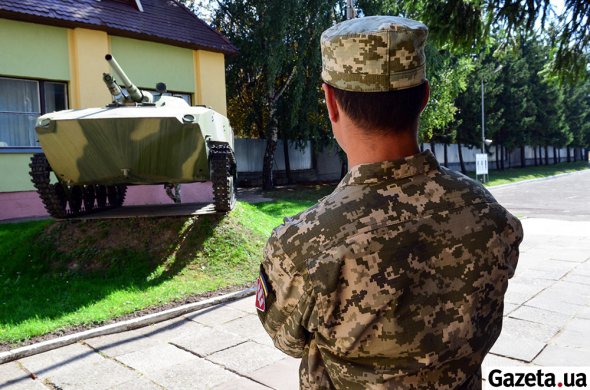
(327, 163)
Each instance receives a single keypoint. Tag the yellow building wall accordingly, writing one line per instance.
(14, 175)
(148, 63)
(87, 49)
(33, 51)
(210, 78)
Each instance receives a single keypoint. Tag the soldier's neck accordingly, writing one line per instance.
(364, 149)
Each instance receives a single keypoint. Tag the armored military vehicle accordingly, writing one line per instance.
(91, 155)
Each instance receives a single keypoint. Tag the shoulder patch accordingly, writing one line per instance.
(261, 293)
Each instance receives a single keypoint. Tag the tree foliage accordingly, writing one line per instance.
(471, 26)
(521, 106)
(447, 75)
(274, 82)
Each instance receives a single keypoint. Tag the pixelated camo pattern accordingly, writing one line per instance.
(394, 281)
(374, 54)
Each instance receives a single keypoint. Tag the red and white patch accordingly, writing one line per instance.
(260, 294)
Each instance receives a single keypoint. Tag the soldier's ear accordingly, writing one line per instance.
(331, 104)
(426, 95)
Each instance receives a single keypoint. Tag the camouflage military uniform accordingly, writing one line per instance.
(395, 280)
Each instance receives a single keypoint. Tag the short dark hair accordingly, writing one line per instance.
(384, 112)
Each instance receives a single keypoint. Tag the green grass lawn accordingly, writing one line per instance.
(55, 275)
(514, 175)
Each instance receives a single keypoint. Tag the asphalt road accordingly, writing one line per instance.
(565, 197)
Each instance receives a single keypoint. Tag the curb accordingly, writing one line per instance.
(535, 180)
(118, 327)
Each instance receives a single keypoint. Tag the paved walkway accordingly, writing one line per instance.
(547, 317)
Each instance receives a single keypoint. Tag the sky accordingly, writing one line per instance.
(557, 6)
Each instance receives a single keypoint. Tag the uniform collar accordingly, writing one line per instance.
(399, 169)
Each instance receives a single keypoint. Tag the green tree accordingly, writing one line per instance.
(278, 42)
(577, 115)
(467, 25)
(487, 71)
(519, 110)
(447, 75)
(549, 127)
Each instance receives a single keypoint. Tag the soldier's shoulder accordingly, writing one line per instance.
(456, 181)
(475, 192)
(306, 233)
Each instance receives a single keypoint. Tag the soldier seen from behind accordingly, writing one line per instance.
(397, 279)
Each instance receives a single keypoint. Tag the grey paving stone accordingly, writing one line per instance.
(577, 278)
(583, 269)
(158, 357)
(492, 360)
(554, 265)
(554, 303)
(205, 340)
(545, 269)
(540, 316)
(578, 325)
(141, 383)
(193, 374)
(74, 355)
(530, 330)
(524, 278)
(248, 326)
(536, 274)
(569, 254)
(247, 357)
(554, 355)
(519, 293)
(554, 229)
(245, 304)
(512, 346)
(572, 339)
(126, 342)
(216, 315)
(263, 338)
(92, 376)
(567, 292)
(14, 378)
(584, 312)
(242, 384)
(509, 308)
(283, 374)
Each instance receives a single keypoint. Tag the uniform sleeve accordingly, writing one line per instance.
(288, 304)
(515, 235)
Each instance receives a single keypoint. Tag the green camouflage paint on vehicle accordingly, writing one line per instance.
(139, 138)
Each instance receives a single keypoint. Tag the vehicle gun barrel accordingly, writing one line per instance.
(113, 87)
(134, 92)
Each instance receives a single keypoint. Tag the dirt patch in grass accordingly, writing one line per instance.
(153, 235)
(89, 244)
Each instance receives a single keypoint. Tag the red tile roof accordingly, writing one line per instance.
(165, 21)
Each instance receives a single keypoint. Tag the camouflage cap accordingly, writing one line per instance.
(374, 54)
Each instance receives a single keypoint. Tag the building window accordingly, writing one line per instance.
(21, 103)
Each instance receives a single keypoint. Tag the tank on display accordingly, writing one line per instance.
(91, 155)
